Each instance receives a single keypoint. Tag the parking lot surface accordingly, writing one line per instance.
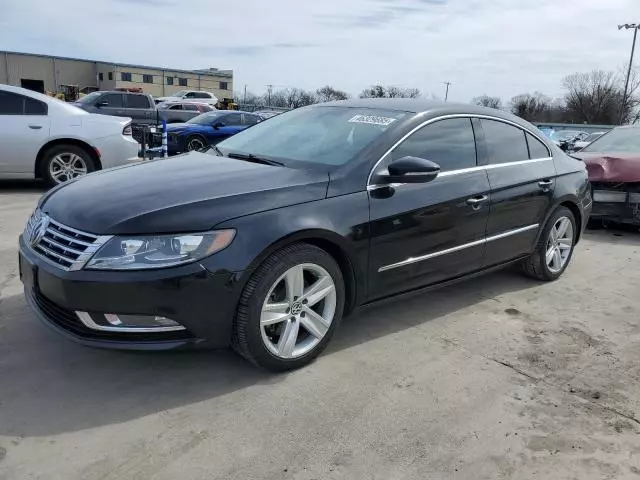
(498, 377)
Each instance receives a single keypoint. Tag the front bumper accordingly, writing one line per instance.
(202, 301)
(616, 205)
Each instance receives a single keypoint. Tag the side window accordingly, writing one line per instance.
(190, 95)
(191, 106)
(505, 143)
(450, 143)
(233, 119)
(250, 119)
(11, 104)
(176, 107)
(537, 149)
(114, 100)
(137, 101)
(34, 107)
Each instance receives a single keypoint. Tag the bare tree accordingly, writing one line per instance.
(289, 98)
(329, 94)
(487, 101)
(379, 91)
(534, 107)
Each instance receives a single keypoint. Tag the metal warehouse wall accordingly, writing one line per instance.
(52, 71)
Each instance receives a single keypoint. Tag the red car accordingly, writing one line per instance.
(613, 163)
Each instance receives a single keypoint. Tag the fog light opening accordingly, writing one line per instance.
(113, 322)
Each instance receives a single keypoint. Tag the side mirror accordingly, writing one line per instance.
(218, 125)
(411, 170)
(102, 103)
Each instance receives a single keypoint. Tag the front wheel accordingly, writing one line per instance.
(555, 247)
(290, 308)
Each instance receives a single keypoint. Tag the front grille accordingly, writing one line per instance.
(62, 246)
(69, 321)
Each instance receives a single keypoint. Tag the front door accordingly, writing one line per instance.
(522, 178)
(423, 234)
(24, 128)
(114, 105)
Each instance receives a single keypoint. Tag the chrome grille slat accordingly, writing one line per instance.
(65, 247)
(59, 234)
(54, 254)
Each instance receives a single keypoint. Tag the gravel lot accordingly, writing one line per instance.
(498, 377)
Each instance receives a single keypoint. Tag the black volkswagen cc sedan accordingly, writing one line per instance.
(265, 241)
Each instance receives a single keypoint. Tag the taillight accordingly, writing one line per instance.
(127, 130)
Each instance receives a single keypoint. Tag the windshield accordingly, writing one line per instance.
(181, 93)
(327, 135)
(593, 136)
(89, 98)
(206, 118)
(566, 134)
(623, 140)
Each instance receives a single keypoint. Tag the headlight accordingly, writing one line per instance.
(158, 251)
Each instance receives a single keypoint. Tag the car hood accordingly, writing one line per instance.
(186, 193)
(613, 167)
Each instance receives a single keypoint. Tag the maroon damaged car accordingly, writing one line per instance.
(613, 163)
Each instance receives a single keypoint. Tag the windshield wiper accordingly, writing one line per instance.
(250, 157)
(215, 149)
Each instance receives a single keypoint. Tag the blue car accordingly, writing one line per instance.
(207, 129)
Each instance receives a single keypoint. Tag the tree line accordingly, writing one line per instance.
(595, 97)
(297, 97)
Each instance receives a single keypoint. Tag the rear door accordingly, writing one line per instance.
(24, 128)
(522, 178)
(426, 233)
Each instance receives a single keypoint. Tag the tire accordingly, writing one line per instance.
(265, 345)
(537, 266)
(57, 159)
(191, 142)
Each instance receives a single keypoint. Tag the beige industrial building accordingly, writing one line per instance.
(45, 73)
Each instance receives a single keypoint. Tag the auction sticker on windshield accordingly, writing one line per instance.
(371, 119)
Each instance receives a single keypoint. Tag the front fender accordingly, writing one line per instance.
(338, 222)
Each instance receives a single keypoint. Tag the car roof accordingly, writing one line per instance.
(427, 107)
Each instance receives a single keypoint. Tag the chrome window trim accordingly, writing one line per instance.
(461, 171)
(88, 322)
(460, 115)
(412, 260)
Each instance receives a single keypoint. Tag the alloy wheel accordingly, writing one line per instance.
(298, 311)
(195, 144)
(65, 166)
(559, 244)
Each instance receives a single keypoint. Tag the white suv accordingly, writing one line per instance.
(190, 96)
(42, 137)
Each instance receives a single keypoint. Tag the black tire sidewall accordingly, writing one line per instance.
(542, 244)
(194, 137)
(266, 278)
(57, 150)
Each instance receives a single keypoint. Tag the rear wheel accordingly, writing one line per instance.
(290, 308)
(555, 247)
(65, 162)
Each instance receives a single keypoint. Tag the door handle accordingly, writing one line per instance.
(35, 127)
(477, 201)
(545, 185)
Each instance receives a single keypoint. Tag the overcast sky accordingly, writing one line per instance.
(498, 47)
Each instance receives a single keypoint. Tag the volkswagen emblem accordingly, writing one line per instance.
(38, 230)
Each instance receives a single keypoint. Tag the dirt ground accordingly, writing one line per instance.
(497, 378)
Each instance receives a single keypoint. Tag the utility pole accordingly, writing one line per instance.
(446, 92)
(269, 87)
(244, 100)
(634, 27)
